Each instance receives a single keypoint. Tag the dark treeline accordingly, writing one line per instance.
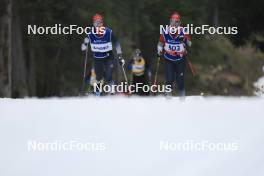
(52, 65)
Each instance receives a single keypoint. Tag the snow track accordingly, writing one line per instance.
(131, 130)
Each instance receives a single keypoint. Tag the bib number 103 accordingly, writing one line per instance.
(177, 48)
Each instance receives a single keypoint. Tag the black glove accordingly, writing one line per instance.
(121, 60)
(181, 38)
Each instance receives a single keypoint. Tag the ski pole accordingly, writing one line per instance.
(194, 73)
(84, 70)
(157, 69)
(125, 76)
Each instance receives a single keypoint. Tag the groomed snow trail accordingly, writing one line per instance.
(132, 130)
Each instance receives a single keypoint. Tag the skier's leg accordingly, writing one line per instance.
(169, 73)
(99, 68)
(180, 74)
(108, 71)
(135, 80)
(140, 79)
(108, 67)
(99, 71)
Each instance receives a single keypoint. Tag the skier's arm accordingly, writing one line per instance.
(187, 40)
(116, 44)
(160, 45)
(118, 50)
(129, 64)
(85, 44)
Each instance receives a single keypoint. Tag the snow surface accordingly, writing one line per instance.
(132, 129)
(259, 85)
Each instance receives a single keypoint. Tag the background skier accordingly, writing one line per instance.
(139, 69)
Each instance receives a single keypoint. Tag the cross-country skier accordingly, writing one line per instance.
(90, 80)
(102, 44)
(139, 69)
(173, 48)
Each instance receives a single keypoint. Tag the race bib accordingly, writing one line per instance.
(105, 47)
(174, 47)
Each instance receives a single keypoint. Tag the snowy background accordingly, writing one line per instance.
(132, 129)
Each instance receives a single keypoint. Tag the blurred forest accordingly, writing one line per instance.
(52, 65)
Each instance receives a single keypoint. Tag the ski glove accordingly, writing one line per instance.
(121, 60)
(84, 47)
(181, 38)
(160, 49)
(86, 40)
(85, 44)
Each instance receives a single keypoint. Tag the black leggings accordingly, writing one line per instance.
(175, 69)
(140, 79)
(103, 68)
